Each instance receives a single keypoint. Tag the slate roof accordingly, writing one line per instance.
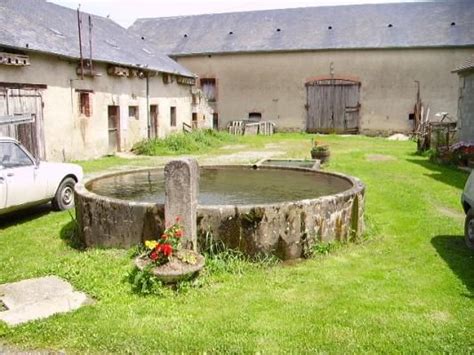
(37, 25)
(314, 28)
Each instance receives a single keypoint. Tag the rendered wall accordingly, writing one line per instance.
(466, 106)
(274, 83)
(72, 136)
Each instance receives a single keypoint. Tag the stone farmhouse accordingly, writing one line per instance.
(68, 101)
(344, 69)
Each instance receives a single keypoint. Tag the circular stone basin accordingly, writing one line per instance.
(268, 210)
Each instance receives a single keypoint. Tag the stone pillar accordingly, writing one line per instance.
(181, 197)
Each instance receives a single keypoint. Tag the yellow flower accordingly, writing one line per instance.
(151, 244)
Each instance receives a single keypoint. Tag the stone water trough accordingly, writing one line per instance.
(259, 210)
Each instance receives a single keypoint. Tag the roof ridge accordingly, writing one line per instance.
(300, 8)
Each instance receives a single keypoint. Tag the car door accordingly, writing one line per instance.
(19, 173)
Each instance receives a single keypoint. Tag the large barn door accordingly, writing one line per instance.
(21, 117)
(333, 106)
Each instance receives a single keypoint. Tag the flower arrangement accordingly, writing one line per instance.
(320, 151)
(165, 261)
(461, 153)
(320, 148)
(160, 251)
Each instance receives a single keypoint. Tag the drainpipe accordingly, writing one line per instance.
(148, 118)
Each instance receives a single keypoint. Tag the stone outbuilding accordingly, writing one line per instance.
(466, 101)
(78, 86)
(341, 69)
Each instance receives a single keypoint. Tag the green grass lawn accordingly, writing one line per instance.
(407, 287)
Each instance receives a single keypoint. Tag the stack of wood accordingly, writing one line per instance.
(437, 134)
(247, 128)
(422, 128)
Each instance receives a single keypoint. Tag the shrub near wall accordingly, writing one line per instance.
(184, 143)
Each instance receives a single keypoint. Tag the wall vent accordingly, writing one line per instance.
(18, 60)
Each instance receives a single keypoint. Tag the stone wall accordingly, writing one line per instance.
(287, 230)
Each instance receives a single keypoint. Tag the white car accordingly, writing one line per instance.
(25, 181)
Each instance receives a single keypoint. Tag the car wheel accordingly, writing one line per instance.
(469, 229)
(64, 197)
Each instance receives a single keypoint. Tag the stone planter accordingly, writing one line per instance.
(322, 155)
(175, 270)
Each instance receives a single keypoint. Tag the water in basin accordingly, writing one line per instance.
(226, 186)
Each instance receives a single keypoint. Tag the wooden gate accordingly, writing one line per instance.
(333, 106)
(21, 117)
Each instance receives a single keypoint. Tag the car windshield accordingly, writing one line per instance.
(12, 156)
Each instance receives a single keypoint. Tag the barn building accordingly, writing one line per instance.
(68, 98)
(346, 69)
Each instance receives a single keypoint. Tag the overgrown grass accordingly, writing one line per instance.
(409, 288)
(199, 141)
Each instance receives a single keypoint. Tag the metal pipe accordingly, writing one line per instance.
(80, 43)
(90, 46)
(148, 115)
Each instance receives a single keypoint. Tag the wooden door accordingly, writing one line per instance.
(153, 129)
(333, 106)
(114, 128)
(25, 105)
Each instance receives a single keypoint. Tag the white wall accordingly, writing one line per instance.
(72, 136)
(274, 83)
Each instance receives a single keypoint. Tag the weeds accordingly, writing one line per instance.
(143, 282)
(184, 143)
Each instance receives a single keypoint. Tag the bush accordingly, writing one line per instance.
(183, 143)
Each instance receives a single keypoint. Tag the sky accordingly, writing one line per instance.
(125, 12)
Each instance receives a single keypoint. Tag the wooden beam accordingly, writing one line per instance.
(22, 85)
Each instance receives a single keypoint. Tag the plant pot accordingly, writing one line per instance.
(175, 269)
(322, 155)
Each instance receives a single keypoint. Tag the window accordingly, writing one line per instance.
(12, 156)
(255, 116)
(133, 112)
(85, 107)
(208, 87)
(173, 116)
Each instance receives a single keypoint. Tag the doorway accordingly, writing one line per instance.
(21, 117)
(153, 128)
(114, 128)
(333, 106)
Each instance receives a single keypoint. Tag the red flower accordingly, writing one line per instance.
(153, 255)
(179, 233)
(166, 249)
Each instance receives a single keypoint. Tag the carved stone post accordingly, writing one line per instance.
(181, 197)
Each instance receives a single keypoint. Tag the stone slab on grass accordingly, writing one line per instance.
(38, 298)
